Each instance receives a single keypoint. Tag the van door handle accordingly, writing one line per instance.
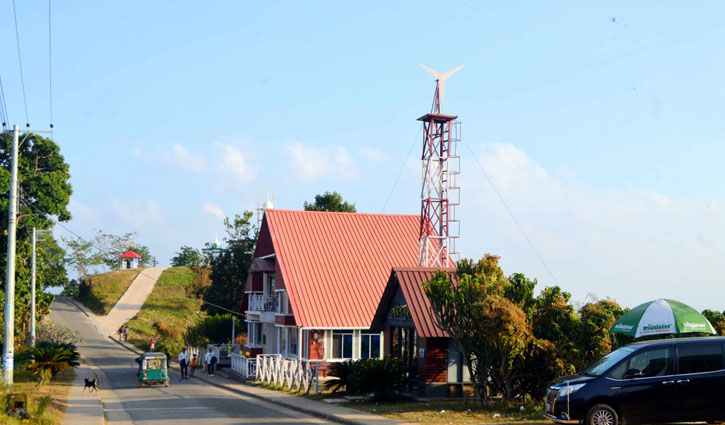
(668, 382)
(683, 381)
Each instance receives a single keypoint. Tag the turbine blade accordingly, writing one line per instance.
(433, 72)
(448, 74)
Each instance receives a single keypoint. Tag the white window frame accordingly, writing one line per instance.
(342, 332)
(364, 334)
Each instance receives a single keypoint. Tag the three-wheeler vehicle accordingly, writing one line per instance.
(153, 370)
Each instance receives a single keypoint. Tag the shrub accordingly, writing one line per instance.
(344, 374)
(50, 359)
(212, 330)
(56, 333)
(380, 377)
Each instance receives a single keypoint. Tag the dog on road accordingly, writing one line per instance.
(91, 384)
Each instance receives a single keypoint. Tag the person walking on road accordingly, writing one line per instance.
(210, 360)
(183, 364)
(193, 365)
(152, 344)
(120, 333)
(125, 333)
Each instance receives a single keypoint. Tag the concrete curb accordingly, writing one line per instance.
(312, 412)
(81, 309)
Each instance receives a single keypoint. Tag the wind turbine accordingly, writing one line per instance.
(441, 78)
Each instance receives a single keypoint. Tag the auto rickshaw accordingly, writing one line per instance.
(154, 370)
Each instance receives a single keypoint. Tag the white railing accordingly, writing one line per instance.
(279, 371)
(260, 302)
(244, 366)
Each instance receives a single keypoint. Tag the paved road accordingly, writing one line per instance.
(131, 301)
(185, 402)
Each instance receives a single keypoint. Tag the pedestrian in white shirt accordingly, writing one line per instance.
(210, 359)
(183, 364)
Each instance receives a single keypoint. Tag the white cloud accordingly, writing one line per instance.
(182, 158)
(82, 212)
(234, 163)
(312, 163)
(631, 244)
(373, 154)
(136, 213)
(214, 210)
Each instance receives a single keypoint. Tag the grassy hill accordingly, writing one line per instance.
(106, 289)
(168, 311)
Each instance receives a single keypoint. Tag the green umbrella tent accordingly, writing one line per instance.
(661, 317)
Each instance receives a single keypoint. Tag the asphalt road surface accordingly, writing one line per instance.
(183, 402)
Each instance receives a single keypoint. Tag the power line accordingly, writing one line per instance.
(20, 63)
(523, 232)
(402, 167)
(50, 66)
(3, 107)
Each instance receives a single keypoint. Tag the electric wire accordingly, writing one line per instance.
(3, 106)
(513, 217)
(50, 66)
(20, 63)
(402, 167)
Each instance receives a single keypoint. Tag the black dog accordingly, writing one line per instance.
(91, 384)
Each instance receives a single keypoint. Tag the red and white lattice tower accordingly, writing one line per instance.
(439, 226)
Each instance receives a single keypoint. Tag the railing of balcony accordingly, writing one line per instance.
(261, 302)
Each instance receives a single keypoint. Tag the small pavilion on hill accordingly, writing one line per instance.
(129, 260)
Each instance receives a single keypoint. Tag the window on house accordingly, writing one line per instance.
(370, 345)
(282, 340)
(342, 344)
(270, 284)
(255, 334)
(293, 341)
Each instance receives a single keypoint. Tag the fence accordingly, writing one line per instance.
(244, 366)
(279, 371)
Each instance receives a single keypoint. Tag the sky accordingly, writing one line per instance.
(599, 123)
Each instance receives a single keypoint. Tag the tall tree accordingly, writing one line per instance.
(187, 256)
(229, 269)
(44, 192)
(330, 201)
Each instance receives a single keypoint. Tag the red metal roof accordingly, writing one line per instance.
(335, 265)
(130, 254)
(410, 280)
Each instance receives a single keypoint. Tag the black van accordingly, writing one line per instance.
(670, 380)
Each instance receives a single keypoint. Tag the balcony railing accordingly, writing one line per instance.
(260, 302)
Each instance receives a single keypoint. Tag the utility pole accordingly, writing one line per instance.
(32, 292)
(234, 321)
(9, 329)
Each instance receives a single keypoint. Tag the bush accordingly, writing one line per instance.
(344, 374)
(56, 333)
(212, 330)
(50, 359)
(382, 378)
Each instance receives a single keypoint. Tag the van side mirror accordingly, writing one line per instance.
(632, 373)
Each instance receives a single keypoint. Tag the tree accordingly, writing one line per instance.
(521, 292)
(146, 260)
(215, 329)
(716, 319)
(229, 269)
(81, 256)
(44, 192)
(595, 320)
(187, 256)
(329, 201)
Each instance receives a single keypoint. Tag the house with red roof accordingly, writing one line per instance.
(324, 286)
(129, 260)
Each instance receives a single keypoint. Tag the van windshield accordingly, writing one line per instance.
(605, 363)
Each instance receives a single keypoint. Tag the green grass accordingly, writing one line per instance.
(107, 288)
(455, 412)
(47, 403)
(167, 312)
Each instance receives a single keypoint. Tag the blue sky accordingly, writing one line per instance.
(599, 122)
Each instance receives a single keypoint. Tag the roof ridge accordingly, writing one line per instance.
(274, 211)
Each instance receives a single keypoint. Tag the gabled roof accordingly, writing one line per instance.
(130, 254)
(409, 281)
(335, 265)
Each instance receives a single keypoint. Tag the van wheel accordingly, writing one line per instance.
(601, 414)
